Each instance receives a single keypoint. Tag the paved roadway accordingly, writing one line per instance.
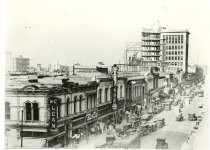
(176, 132)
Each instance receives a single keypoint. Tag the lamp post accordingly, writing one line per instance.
(115, 69)
(21, 140)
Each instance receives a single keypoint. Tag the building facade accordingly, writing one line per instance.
(50, 114)
(151, 47)
(21, 64)
(175, 50)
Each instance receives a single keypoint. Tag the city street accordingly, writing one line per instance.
(175, 132)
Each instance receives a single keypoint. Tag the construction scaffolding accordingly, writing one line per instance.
(132, 52)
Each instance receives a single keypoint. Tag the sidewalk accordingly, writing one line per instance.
(92, 140)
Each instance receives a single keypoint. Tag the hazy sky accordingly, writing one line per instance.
(89, 31)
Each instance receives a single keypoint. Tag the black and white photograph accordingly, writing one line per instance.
(105, 74)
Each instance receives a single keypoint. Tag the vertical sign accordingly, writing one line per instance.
(53, 115)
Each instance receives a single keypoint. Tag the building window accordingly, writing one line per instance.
(28, 111)
(181, 57)
(172, 52)
(75, 104)
(106, 94)
(166, 39)
(7, 110)
(169, 39)
(169, 58)
(172, 58)
(175, 52)
(80, 103)
(121, 91)
(166, 47)
(59, 111)
(169, 47)
(181, 52)
(175, 64)
(35, 111)
(175, 47)
(181, 63)
(181, 38)
(169, 52)
(99, 96)
(178, 39)
(67, 106)
(172, 39)
(172, 47)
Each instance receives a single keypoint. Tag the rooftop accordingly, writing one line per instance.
(175, 31)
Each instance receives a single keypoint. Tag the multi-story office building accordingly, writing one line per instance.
(175, 50)
(21, 64)
(151, 47)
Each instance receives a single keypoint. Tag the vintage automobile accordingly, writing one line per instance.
(179, 117)
(168, 106)
(152, 126)
(145, 118)
(199, 117)
(161, 143)
(192, 117)
(160, 122)
(144, 129)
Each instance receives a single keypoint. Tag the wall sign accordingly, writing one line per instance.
(91, 116)
(53, 115)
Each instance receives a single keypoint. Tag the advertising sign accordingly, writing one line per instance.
(53, 115)
(91, 116)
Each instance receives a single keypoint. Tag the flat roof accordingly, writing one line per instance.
(175, 31)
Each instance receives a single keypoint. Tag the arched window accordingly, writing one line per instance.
(7, 110)
(121, 91)
(35, 111)
(99, 96)
(28, 111)
(111, 93)
(106, 94)
(80, 103)
(67, 106)
(75, 104)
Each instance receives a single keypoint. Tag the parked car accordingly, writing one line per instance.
(161, 143)
(179, 117)
(192, 117)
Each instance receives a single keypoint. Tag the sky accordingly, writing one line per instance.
(90, 31)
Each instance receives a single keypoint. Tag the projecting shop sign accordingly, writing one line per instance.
(53, 115)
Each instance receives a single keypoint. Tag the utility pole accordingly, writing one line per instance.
(21, 140)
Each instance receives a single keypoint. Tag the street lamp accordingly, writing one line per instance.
(115, 69)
